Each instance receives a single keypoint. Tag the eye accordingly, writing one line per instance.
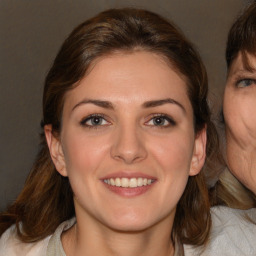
(245, 82)
(161, 121)
(94, 121)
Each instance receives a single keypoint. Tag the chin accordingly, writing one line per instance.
(130, 222)
(129, 227)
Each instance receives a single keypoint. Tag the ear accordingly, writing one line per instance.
(56, 150)
(199, 153)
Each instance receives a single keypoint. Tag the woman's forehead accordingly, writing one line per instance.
(140, 76)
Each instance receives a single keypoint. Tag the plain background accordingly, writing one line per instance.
(31, 32)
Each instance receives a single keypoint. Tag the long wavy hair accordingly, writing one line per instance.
(47, 199)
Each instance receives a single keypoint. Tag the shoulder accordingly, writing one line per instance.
(10, 245)
(50, 246)
(229, 217)
(232, 234)
(55, 247)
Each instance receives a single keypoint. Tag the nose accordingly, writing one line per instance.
(128, 145)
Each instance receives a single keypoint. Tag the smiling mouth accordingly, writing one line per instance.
(128, 182)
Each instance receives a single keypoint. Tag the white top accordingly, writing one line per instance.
(231, 235)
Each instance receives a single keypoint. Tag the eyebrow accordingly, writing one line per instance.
(242, 71)
(99, 103)
(156, 103)
(147, 104)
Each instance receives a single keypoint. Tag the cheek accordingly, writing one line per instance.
(83, 154)
(248, 116)
(240, 119)
(84, 157)
(174, 154)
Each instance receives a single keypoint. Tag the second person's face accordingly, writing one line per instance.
(239, 110)
(127, 143)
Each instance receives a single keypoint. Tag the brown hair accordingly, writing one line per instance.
(47, 199)
(241, 38)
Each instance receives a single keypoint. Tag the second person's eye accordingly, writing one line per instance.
(245, 82)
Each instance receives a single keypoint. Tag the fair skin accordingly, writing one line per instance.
(239, 112)
(129, 122)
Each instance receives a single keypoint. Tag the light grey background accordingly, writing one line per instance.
(31, 31)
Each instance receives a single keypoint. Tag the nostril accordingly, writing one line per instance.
(128, 150)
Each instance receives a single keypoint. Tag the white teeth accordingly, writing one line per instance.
(133, 183)
(140, 182)
(118, 182)
(128, 183)
(124, 182)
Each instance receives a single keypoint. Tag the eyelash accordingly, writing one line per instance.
(90, 118)
(102, 117)
(167, 118)
(244, 80)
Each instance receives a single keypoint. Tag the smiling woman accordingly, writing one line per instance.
(106, 149)
(124, 142)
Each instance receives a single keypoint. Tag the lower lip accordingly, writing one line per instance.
(129, 192)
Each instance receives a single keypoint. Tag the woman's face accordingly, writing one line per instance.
(240, 117)
(127, 142)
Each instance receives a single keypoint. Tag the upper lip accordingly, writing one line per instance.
(128, 174)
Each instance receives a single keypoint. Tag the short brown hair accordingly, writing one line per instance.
(47, 193)
(242, 36)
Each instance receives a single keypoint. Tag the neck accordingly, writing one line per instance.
(89, 240)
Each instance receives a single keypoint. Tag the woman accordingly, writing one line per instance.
(240, 99)
(238, 111)
(124, 117)
(238, 226)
